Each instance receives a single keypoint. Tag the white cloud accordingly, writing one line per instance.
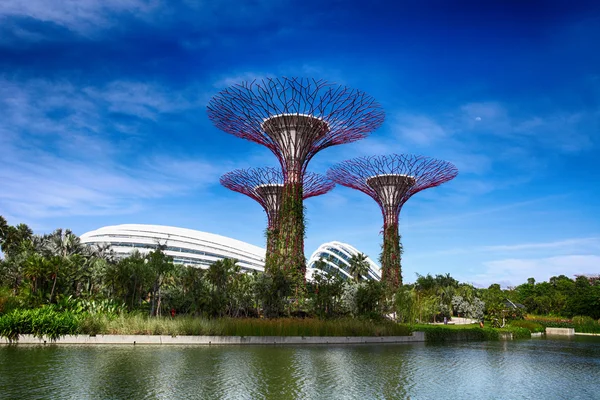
(517, 271)
(66, 110)
(555, 245)
(81, 16)
(60, 156)
(418, 129)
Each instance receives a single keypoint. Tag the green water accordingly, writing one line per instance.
(524, 369)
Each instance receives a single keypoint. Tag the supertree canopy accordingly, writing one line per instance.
(391, 181)
(265, 186)
(295, 118)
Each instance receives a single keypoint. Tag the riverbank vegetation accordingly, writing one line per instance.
(88, 289)
(450, 333)
(53, 324)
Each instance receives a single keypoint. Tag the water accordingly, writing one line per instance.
(523, 369)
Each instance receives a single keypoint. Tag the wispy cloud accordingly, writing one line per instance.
(554, 245)
(516, 271)
(81, 16)
(480, 212)
(61, 155)
(418, 129)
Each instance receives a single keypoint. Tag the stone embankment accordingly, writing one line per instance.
(560, 331)
(217, 340)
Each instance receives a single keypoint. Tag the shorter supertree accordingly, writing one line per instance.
(391, 181)
(265, 186)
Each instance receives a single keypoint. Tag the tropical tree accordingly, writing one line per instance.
(359, 266)
(160, 267)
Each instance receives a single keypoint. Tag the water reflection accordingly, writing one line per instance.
(535, 368)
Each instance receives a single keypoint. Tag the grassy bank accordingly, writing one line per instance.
(450, 333)
(581, 324)
(47, 322)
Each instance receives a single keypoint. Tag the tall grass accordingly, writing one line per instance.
(142, 325)
(450, 333)
(53, 324)
(581, 324)
(530, 325)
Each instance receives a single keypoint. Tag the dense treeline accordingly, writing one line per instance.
(56, 270)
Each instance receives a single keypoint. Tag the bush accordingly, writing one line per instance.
(38, 322)
(530, 325)
(586, 324)
(441, 334)
(518, 332)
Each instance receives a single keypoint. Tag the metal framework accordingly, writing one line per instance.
(391, 181)
(295, 118)
(265, 186)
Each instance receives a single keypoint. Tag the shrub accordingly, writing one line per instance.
(530, 325)
(38, 322)
(518, 332)
(586, 324)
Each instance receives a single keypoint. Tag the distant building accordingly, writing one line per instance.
(186, 246)
(336, 256)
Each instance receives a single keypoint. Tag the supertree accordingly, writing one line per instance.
(391, 181)
(265, 186)
(295, 118)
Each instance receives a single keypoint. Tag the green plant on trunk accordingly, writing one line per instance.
(391, 255)
(271, 258)
(289, 255)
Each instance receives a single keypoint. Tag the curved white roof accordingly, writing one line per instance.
(186, 246)
(337, 256)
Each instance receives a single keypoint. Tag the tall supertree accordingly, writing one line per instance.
(391, 181)
(265, 186)
(295, 118)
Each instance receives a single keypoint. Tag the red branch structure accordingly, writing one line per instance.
(265, 186)
(391, 181)
(295, 118)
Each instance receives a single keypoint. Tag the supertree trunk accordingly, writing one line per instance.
(272, 234)
(290, 240)
(391, 256)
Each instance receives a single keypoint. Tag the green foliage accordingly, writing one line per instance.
(289, 253)
(518, 332)
(39, 322)
(369, 296)
(583, 324)
(57, 270)
(391, 255)
(272, 292)
(359, 267)
(325, 295)
(529, 325)
(500, 314)
(448, 333)
(405, 305)
(313, 327)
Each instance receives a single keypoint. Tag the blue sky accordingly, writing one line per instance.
(103, 121)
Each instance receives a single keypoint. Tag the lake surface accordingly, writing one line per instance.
(522, 369)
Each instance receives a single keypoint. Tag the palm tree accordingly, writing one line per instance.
(359, 266)
(62, 247)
